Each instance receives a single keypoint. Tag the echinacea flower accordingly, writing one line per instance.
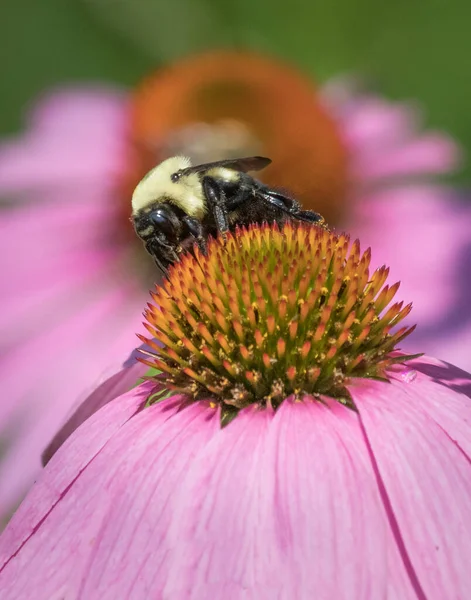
(343, 470)
(75, 276)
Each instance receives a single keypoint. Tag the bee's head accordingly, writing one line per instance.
(164, 183)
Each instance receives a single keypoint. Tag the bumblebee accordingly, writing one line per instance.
(177, 205)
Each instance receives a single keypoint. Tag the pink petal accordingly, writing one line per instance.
(115, 386)
(80, 326)
(131, 515)
(452, 340)
(64, 469)
(47, 305)
(66, 236)
(452, 412)
(75, 135)
(420, 232)
(425, 479)
(294, 513)
(382, 137)
(371, 123)
(430, 153)
(39, 402)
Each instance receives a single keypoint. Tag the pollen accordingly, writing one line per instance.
(274, 312)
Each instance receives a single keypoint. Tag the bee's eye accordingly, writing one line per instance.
(163, 223)
(176, 176)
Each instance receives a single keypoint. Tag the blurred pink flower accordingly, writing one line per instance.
(72, 289)
(418, 227)
(312, 501)
(67, 300)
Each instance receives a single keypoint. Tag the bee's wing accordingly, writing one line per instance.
(251, 163)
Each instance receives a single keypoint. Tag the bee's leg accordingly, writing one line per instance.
(196, 230)
(150, 247)
(161, 266)
(216, 200)
(311, 217)
(162, 252)
(291, 207)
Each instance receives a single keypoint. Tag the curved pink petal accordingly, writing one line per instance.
(52, 296)
(67, 236)
(425, 478)
(419, 230)
(80, 215)
(372, 124)
(129, 519)
(421, 233)
(117, 385)
(382, 137)
(294, 513)
(70, 311)
(43, 402)
(428, 154)
(452, 412)
(452, 339)
(78, 452)
(73, 137)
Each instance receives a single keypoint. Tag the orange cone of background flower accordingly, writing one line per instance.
(227, 105)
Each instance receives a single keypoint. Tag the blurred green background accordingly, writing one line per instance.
(407, 49)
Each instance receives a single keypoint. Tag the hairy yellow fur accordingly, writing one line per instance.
(157, 186)
(223, 173)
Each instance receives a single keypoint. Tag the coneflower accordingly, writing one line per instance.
(285, 450)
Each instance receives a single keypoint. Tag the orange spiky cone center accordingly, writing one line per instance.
(269, 313)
